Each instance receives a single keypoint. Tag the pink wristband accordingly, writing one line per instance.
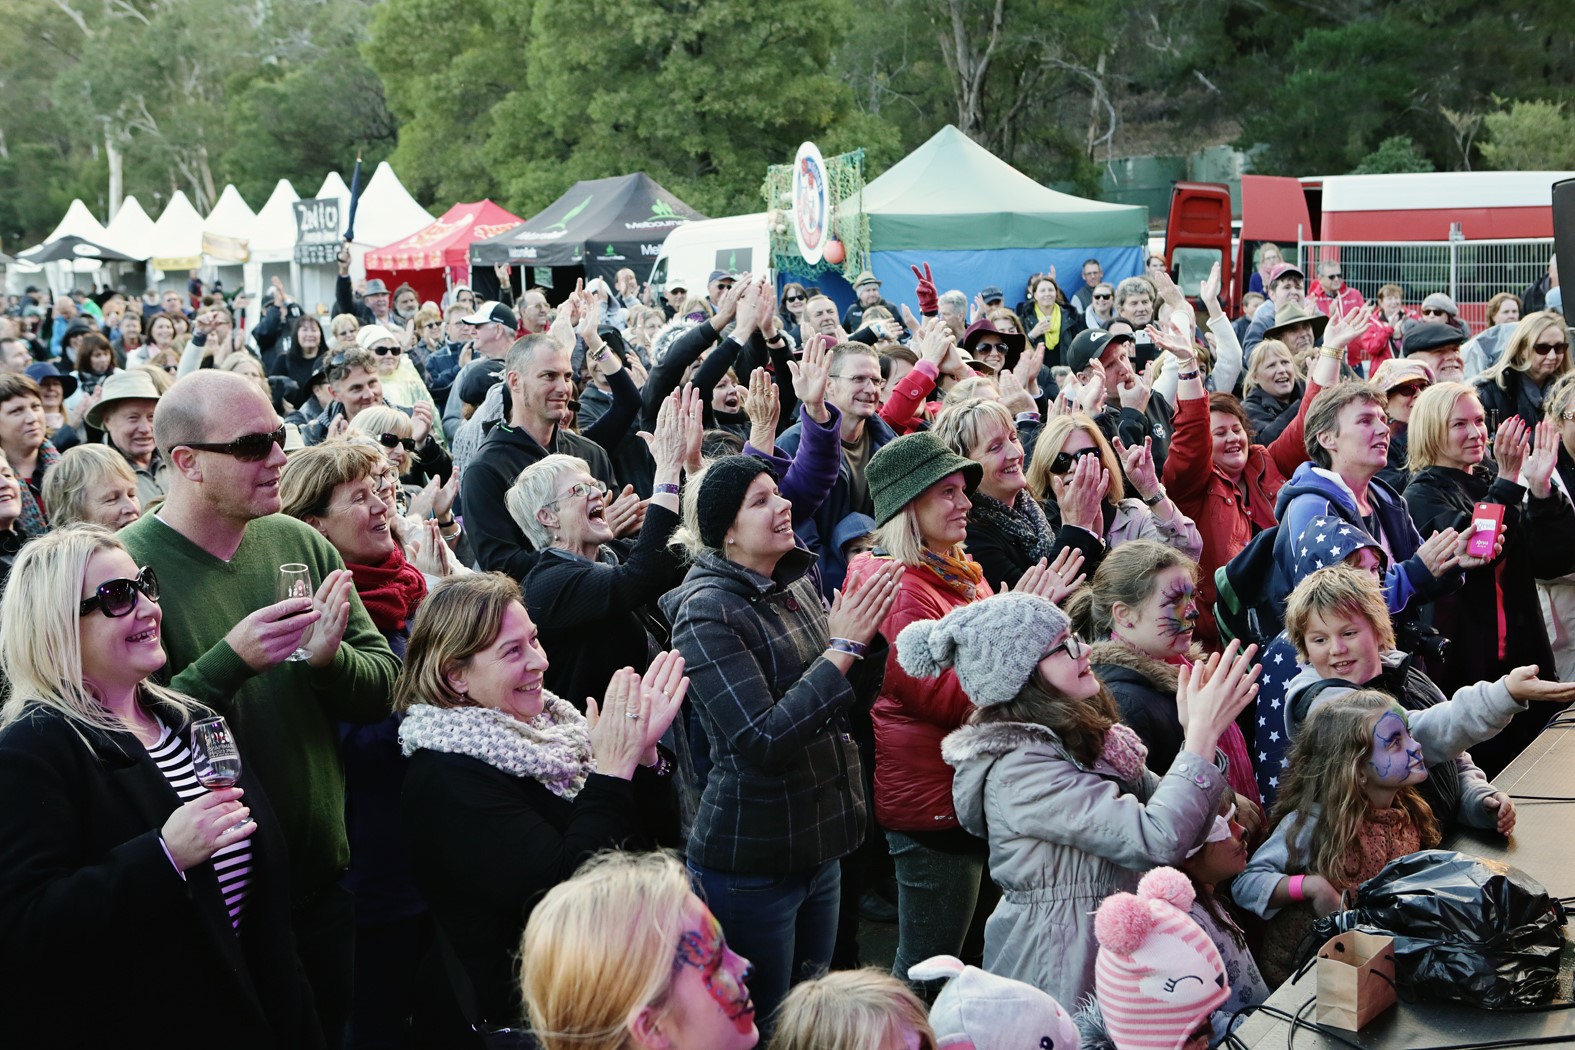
(1294, 888)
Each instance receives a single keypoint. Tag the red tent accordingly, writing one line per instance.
(423, 258)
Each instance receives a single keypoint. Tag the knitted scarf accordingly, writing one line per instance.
(33, 519)
(961, 574)
(553, 748)
(1025, 523)
(390, 591)
(1384, 835)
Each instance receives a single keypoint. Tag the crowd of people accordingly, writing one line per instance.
(586, 672)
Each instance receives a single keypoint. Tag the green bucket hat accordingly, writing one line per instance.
(910, 464)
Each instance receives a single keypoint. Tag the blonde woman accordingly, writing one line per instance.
(624, 956)
(1536, 357)
(1274, 387)
(176, 886)
(92, 484)
(1056, 476)
(342, 330)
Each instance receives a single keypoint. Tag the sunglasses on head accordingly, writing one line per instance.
(248, 448)
(394, 441)
(384, 351)
(119, 597)
(1064, 461)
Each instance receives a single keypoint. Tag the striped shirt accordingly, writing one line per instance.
(232, 863)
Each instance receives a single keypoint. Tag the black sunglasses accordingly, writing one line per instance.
(119, 597)
(394, 441)
(1063, 460)
(793, 299)
(248, 448)
(384, 351)
(1098, 296)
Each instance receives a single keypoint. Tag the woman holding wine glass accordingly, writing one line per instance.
(121, 856)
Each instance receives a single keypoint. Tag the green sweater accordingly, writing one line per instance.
(284, 718)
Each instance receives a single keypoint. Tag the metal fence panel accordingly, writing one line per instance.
(1471, 272)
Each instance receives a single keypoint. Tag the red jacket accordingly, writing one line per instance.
(1321, 300)
(904, 408)
(913, 784)
(1378, 343)
(1203, 493)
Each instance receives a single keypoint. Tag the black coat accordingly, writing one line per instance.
(487, 845)
(1004, 559)
(1515, 401)
(1539, 543)
(100, 934)
(1268, 415)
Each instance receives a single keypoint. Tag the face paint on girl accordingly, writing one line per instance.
(705, 949)
(1397, 758)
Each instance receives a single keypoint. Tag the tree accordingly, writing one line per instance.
(1393, 155)
(1529, 136)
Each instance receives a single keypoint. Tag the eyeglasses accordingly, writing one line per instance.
(119, 597)
(1064, 460)
(859, 382)
(248, 448)
(1550, 348)
(1104, 296)
(583, 490)
(793, 298)
(1073, 644)
(1434, 312)
(394, 441)
(1408, 389)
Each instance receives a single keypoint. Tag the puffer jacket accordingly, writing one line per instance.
(786, 789)
(913, 784)
(1063, 837)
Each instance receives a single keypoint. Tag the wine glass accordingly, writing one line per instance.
(215, 759)
(295, 581)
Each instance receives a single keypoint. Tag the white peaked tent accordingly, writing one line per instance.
(386, 213)
(79, 222)
(177, 241)
(224, 234)
(271, 242)
(131, 230)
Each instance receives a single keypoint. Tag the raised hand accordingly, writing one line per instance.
(1013, 396)
(626, 513)
(810, 373)
(665, 686)
(1343, 327)
(763, 405)
(727, 306)
(933, 341)
(667, 441)
(1210, 694)
(1082, 497)
(1539, 466)
(929, 298)
(1138, 463)
(1091, 395)
(1510, 447)
(749, 310)
(263, 639)
(420, 421)
(1209, 292)
(857, 616)
(693, 421)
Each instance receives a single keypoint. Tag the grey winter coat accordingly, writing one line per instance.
(1063, 837)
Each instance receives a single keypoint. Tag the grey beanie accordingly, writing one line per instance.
(993, 644)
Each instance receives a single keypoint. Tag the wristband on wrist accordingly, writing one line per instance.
(1338, 353)
(664, 488)
(1184, 376)
(662, 766)
(450, 523)
(847, 645)
(1293, 888)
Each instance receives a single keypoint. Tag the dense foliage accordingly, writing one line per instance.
(517, 99)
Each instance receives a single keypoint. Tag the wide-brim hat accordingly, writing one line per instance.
(866, 277)
(908, 465)
(39, 371)
(1016, 343)
(131, 385)
(1290, 314)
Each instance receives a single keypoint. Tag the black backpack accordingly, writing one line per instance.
(1244, 606)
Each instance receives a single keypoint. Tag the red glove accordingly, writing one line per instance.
(929, 298)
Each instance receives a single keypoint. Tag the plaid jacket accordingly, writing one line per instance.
(787, 790)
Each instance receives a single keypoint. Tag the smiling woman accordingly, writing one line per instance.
(26, 448)
(92, 484)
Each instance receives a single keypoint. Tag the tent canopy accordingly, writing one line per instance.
(272, 232)
(600, 224)
(446, 242)
(131, 230)
(177, 236)
(953, 193)
(386, 211)
(231, 216)
(71, 248)
(78, 222)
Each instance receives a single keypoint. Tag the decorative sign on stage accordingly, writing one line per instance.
(811, 203)
(317, 229)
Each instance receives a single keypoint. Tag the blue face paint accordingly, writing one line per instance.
(1397, 758)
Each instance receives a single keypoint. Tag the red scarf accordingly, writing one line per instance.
(390, 591)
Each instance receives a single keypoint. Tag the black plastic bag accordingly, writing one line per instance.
(1465, 928)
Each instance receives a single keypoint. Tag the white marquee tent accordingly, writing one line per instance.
(271, 242)
(131, 230)
(386, 213)
(176, 244)
(225, 232)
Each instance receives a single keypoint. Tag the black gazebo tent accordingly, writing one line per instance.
(72, 247)
(600, 225)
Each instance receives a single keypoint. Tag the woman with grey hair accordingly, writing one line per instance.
(594, 597)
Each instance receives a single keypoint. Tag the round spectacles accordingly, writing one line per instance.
(583, 490)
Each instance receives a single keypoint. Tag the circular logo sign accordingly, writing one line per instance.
(811, 203)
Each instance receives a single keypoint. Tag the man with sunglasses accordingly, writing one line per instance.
(216, 545)
(354, 386)
(1330, 295)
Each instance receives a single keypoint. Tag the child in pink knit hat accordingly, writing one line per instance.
(1158, 977)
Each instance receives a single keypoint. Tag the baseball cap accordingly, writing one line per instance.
(992, 294)
(1284, 268)
(494, 312)
(717, 275)
(1090, 345)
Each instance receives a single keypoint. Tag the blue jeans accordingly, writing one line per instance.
(937, 893)
(786, 925)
